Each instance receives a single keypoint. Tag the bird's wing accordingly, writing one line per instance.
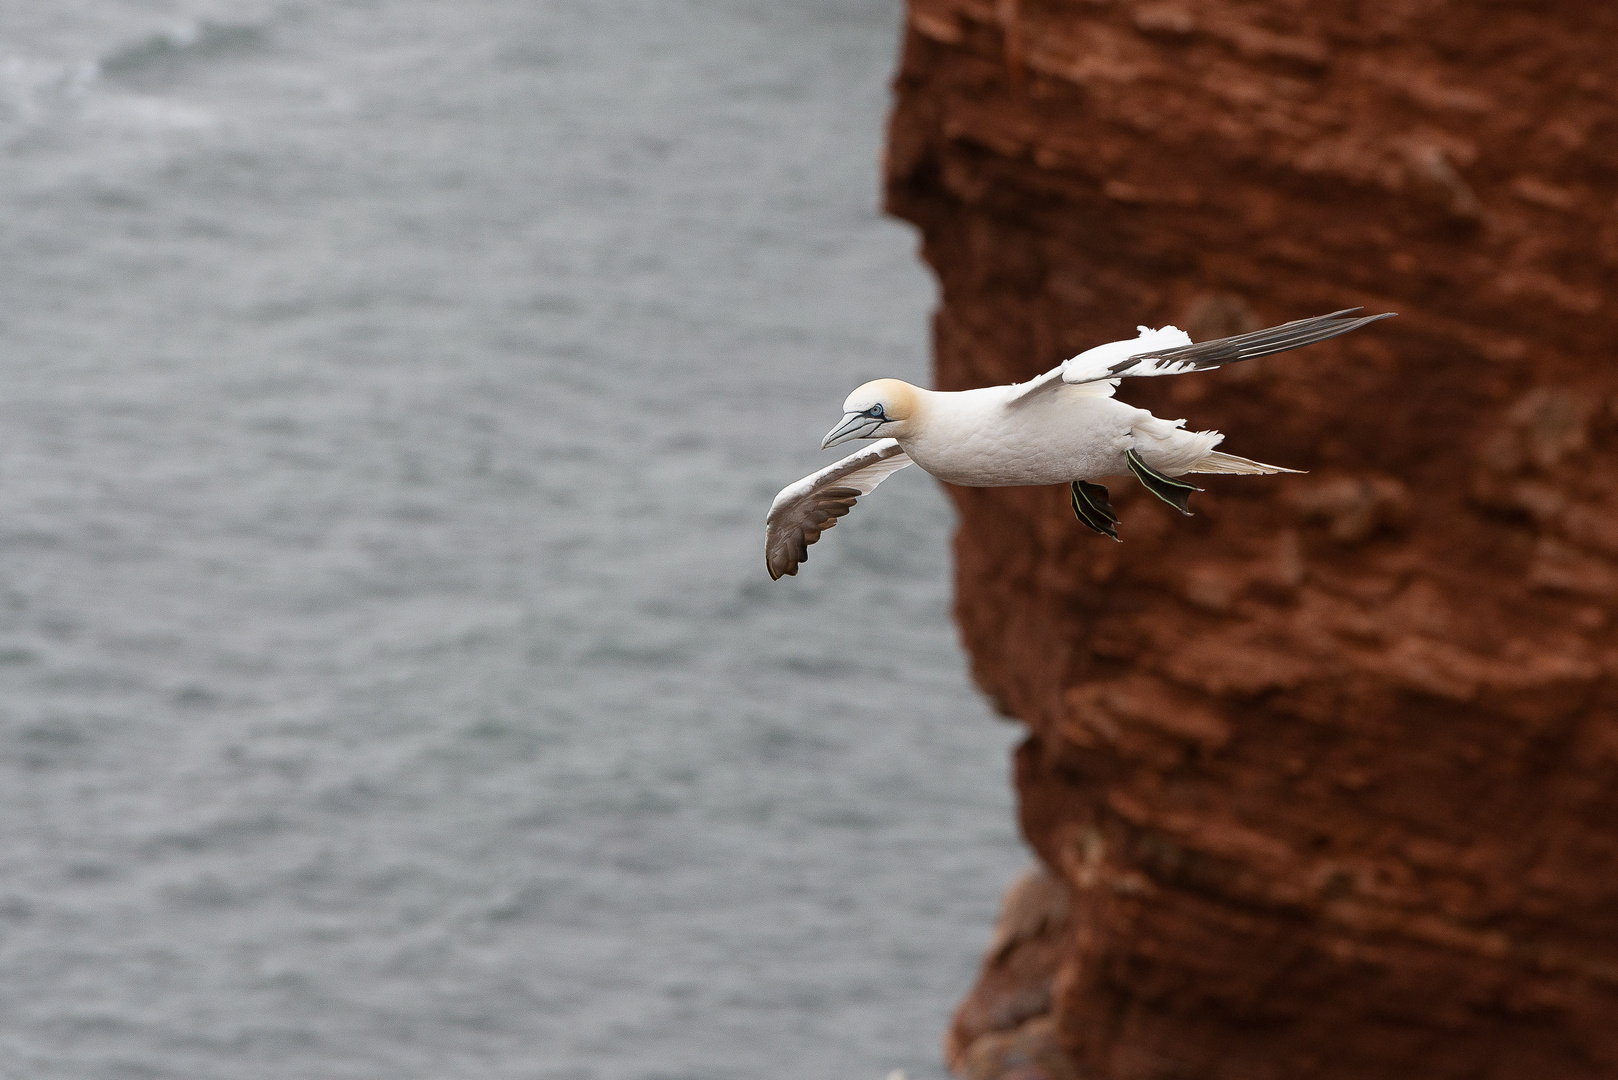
(1051, 380)
(1110, 362)
(802, 511)
(1097, 359)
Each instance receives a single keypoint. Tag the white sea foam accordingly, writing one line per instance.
(34, 92)
(134, 112)
(38, 97)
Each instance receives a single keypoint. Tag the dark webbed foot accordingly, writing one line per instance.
(1091, 506)
(1177, 493)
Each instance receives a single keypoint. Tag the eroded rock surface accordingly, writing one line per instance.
(1329, 771)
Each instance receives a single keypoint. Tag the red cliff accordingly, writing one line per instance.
(1326, 776)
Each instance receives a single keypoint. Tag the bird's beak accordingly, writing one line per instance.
(854, 426)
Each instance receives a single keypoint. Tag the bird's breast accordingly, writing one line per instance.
(1053, 441)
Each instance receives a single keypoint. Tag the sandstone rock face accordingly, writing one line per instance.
(1330, 770)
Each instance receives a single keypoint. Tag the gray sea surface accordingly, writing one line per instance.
(391, 392)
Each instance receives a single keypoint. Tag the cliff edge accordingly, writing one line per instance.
(1325, 778)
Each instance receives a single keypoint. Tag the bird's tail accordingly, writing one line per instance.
(1216, 462)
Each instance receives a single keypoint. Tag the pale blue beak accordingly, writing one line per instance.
(855, 425)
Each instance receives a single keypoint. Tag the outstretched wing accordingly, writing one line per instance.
(1050, 380)
(802, 511)
(1105, 361)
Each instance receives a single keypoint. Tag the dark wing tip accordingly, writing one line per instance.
(830, 504)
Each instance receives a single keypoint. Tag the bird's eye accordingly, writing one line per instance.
(875, 410)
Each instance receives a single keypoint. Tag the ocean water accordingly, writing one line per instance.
(391, 392)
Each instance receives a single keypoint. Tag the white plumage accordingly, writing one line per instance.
(1064, 427)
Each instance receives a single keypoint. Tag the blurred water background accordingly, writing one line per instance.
(391, 392)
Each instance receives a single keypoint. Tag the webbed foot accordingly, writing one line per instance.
(1177, 493)
(1091, 506)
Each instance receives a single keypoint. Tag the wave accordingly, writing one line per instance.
(41, 98)
(185, 43)
(44, 96)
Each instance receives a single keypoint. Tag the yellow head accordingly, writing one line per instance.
(876, 410)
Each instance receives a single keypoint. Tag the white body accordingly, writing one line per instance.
(1058, 428)
(989, 438)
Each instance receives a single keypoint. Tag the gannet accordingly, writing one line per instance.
(1063, 427)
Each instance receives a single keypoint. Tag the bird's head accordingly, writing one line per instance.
(876, 410)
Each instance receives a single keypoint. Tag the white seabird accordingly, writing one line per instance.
(1064, 427)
